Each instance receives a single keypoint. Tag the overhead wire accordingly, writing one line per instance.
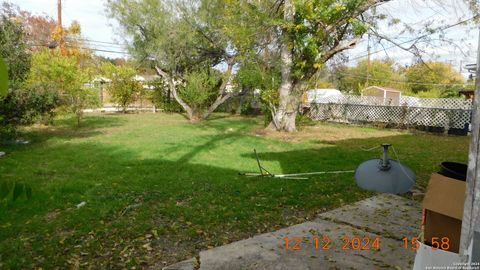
(401, 82)
(413, 39)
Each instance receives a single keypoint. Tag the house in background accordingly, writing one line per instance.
(388, 96)
(140, 101)
(312, 96)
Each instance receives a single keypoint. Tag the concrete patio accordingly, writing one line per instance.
(387, 217)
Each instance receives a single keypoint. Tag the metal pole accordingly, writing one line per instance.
(59, 18)
(385, 161)
(312, 173)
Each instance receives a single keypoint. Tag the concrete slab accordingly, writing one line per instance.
(268, 251)
(386, 214)
(362, 220)
(190, 264)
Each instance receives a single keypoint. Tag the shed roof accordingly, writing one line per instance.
(385, 89)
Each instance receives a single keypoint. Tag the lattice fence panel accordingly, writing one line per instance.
(445, 113)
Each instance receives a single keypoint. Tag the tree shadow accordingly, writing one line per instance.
(127, 196)
(64, 127)
(190, 206)
(91, 121)
(424, 156)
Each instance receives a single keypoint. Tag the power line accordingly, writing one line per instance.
(85, 48)
(402, 82)
(99, 50)
(98, 41)
(413, 39)
(97, 45)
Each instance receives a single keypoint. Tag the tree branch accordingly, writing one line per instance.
(341, 47)
(173, 89)
(222, 97)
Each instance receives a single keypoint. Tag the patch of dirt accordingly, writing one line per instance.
(328, 133)
(52, 215)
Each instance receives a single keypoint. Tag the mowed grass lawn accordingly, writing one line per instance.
(158, 189)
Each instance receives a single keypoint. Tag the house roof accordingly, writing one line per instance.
(385, 89)
(101, 79)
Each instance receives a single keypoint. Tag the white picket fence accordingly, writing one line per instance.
(444, 113)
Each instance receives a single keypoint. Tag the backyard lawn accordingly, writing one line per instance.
(157, 189)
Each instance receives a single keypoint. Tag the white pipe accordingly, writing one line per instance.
(312, 173)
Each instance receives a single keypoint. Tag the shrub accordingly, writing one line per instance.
(25, 106)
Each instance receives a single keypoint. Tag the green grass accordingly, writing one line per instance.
(158, 189)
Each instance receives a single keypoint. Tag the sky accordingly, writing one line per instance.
(414, 13)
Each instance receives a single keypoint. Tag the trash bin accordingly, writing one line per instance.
(454, 170)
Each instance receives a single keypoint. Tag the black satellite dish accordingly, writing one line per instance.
(384, 175)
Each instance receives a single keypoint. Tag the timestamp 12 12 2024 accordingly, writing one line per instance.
(296, 243)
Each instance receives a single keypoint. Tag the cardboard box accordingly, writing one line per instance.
(443, 204)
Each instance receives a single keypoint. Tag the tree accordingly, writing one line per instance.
(123, 86)
(39, 30)
(437, 78)
(380, 73)
(312, 32)
(261, 71)
(3, 78)
(200, 90)
(64, 75)
(13, 44)
(20, 105)
(181, 37)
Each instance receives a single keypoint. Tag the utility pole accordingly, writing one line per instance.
(60, 26)
(368, 61)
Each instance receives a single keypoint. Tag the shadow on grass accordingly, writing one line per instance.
(91, 121)
(188, 206)
(421, 152)
(65, 128)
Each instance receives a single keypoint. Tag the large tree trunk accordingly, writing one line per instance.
(284, 116)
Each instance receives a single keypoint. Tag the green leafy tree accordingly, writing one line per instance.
(312, 32)
(64, 75)
(434, 79)
(200, 90)
(3, 78)
(123, 87)
(259, 72)
(379, 73)
(181, 36)
(161, 96)
(14, 45)
(20, 104)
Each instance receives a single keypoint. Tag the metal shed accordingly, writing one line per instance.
(388, 96)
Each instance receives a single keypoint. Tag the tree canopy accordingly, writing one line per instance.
(181, 37)
(123, 87)
(379, 73)
(14, 47)
(436, 77)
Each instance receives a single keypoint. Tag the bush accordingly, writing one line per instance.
(200, 89)
(162, 98)
(269, 99)
(25, 106)
(123, 87)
